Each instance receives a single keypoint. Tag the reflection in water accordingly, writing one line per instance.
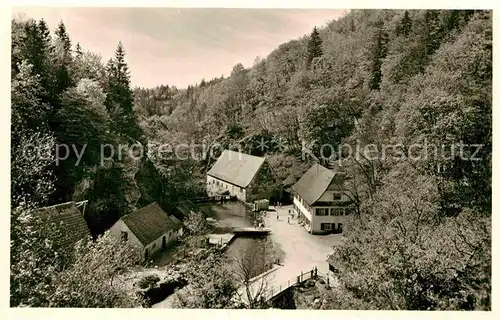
(236, 215)
(250, 255)
(231, 214)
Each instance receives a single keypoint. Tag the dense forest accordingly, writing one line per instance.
(421, 238)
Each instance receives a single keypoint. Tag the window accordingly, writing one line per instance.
(241, 189)
(336, 196)
(340, 227)
(335, 212)
(124, 236)
(321, 212)
(153, 246)
(326, 226)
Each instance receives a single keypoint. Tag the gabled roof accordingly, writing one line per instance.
(236, 168)
(313, 183)
(150, 222)
(69, 221)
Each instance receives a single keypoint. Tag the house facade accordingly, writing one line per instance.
(320, 201)
(244, 176)
(149, 228)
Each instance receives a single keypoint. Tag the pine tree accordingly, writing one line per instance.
(78, 65)
(379, 53)
(78, 51)
(119, 99)
(405, 26)
(314, 46)
(63, 36)
(34, 45)
(44, 31)
(121, 68)
(63, 59)
(433, 31)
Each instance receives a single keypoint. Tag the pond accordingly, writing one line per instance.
(235, 214)
(254, 250)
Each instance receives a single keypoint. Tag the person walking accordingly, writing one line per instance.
(289, 220)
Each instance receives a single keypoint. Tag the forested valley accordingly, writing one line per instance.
(421, 238)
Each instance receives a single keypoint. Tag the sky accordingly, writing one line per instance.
(180, 46)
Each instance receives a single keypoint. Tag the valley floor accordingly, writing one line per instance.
(302, 250)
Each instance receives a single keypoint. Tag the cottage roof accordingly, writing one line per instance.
(69, 222)
(313, 183)
(236, 168)
(150, 222)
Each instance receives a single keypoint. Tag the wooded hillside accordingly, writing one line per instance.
(421, 238)
(377, 78)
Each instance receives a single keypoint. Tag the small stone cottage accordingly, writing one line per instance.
(149, 228)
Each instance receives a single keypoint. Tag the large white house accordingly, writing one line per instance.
(241, 175)
(320, 201)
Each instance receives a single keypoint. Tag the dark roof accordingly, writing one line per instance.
(150, 222)
(236, 168)
(69, 221)
(313, 183)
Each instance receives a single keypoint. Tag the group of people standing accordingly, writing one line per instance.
(290, 213)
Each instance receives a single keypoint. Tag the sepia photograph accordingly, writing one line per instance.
(251, 158)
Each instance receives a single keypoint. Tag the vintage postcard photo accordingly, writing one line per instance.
(218, 158)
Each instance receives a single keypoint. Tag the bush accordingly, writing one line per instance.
(148, 281)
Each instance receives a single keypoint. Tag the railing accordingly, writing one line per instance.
(212, 199)
(303, 276)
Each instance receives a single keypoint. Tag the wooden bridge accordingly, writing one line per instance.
(271, 284)
(224, 239)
